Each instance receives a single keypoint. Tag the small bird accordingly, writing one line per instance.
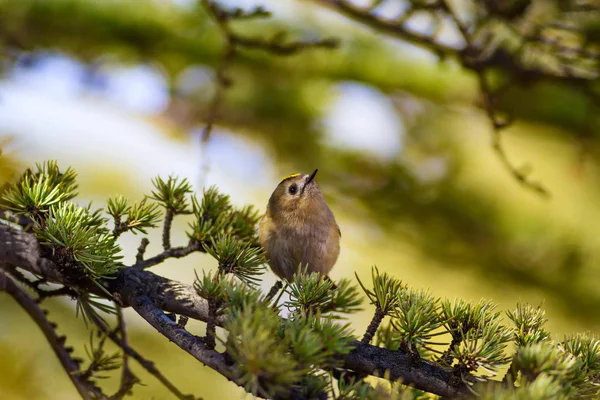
(298, 229)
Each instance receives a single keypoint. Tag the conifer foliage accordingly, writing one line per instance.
(297, 346)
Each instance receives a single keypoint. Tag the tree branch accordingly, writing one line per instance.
(373, 326)
(145, 363)
(193, 345)
(362, 15)
(373, 360)
(166, 237)
(149, 293)
(139, 257)
(71, 367)
(480, 55)
(128, 379)
(172, 252)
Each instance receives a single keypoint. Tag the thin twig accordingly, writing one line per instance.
(489, 106)
(120, 227)
(87, 390)
(233, 42)
(166, 237)
(174, 252)
(63, 291)
(497, 143)
(128, 379)
(462, 28)
(221, 82)
(273, 291)
(469, 55)
(392, 28)
(373, 326)
(211, 324)
(278, 47)
(35, 286)
(139, 258)
(183, 320)
(145, 363)
(447, 357)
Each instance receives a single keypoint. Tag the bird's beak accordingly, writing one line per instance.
(311, 177)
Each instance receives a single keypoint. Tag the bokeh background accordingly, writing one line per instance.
(120, 90)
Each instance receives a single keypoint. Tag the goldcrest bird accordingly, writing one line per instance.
(298, 229)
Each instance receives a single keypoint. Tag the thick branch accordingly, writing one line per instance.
(21, 249)
(148, 293)
(182, 338)
(372, 360)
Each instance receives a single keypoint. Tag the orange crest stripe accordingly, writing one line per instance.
(290, 177)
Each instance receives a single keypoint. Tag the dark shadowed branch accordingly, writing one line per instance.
(145, 363)
(573, 61)
(128, 379)
(85, 388)
(233, 43)
(193, 345)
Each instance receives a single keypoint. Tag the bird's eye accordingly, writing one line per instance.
(293, 189)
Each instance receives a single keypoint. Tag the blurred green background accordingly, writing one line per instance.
(120, 91)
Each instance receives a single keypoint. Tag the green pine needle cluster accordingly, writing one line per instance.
(275, 357)
(311, 294)
(264, 365)
(545, 358)
(100, 361)
(479, 338)
(483, 347)
(529, 324)
(89, 305)
(172, 194)
(139, 216)
(359, 389)
(226, 290)
(386, 291)
(543, 388)
(415, 320)
(210, 286)
(236, 294)
(237, 257)
(36, 191)
(79, 236)
(419, 322)
(479, 342)
(215, 215)
(548, 370)
(586, 348)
